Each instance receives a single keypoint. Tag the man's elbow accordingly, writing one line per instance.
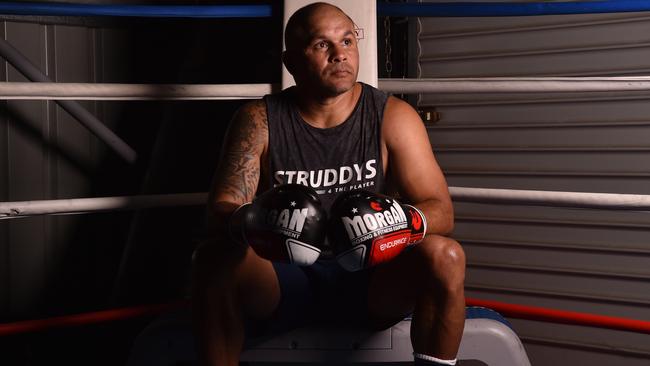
(218, 215)
(222, 209)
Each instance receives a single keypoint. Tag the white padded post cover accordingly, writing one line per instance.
(364, 14)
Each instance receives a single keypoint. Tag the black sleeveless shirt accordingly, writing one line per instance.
(330, 160)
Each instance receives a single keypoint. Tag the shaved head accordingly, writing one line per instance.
(297, 31)
(321, 50)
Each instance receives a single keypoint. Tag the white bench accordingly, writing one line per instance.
(487, 338)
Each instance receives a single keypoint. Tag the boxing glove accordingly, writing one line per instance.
(367, 228)
(284, 224)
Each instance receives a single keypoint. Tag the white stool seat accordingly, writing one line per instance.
(486, 338)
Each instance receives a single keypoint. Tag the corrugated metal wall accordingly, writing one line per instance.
(581, 260)
(59, 265)
(46, 154)
(55, 265)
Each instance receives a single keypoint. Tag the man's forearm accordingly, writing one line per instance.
(440, 216)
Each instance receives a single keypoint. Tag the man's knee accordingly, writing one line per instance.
(443, 260)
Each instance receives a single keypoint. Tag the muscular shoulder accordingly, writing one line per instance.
(400, 121)
(250, 126)
(252, 113)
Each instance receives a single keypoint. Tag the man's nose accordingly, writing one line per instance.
(338, 54)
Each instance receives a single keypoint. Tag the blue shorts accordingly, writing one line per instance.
(323, 293)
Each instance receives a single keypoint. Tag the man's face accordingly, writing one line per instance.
(330, 58)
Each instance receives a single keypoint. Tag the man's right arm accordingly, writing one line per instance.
(236, 178)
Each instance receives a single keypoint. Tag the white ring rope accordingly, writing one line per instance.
(614, 201)
(82, 205)
(90, 91)
(517, 85)
(506, 196)
(95, 91)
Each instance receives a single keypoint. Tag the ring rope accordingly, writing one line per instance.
(146, 11)
(506, 309)
(517, 85)
(98, 204)
(612, 201)
(37, 325)
(562, 316)
(94, 91)
(499, 9)
(463, 9)
(116, 91)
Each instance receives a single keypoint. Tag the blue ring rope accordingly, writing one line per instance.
(148, 11)
(495, 9)
(465, 9)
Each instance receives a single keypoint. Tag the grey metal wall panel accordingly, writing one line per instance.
(458, 27)
(5, 258)
(558, 45)
(27, 158)
(73, 63)
(581, 260)
(558, 64)
(558, 39)
(49, 155)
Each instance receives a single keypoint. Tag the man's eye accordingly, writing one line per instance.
(347, 42)
(321, 45)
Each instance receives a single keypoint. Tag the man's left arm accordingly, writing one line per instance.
(413, 167)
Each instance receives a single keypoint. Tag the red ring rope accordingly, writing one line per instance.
(508, 310)
(35, 325)
(562, 316)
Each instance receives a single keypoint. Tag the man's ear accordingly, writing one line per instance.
(287, 61)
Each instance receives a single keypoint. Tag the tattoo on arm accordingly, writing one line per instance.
(239, 168)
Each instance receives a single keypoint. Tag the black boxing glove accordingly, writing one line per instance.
(367, 228)
(284, 224)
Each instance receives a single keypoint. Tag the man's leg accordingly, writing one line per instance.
(427, 279)
(229, 284)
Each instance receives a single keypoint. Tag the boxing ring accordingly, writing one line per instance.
(487, 337)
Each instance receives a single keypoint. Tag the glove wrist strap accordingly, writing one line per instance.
(421, 231)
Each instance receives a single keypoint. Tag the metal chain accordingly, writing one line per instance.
(388, 51)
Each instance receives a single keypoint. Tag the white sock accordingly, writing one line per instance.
(433, 360)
